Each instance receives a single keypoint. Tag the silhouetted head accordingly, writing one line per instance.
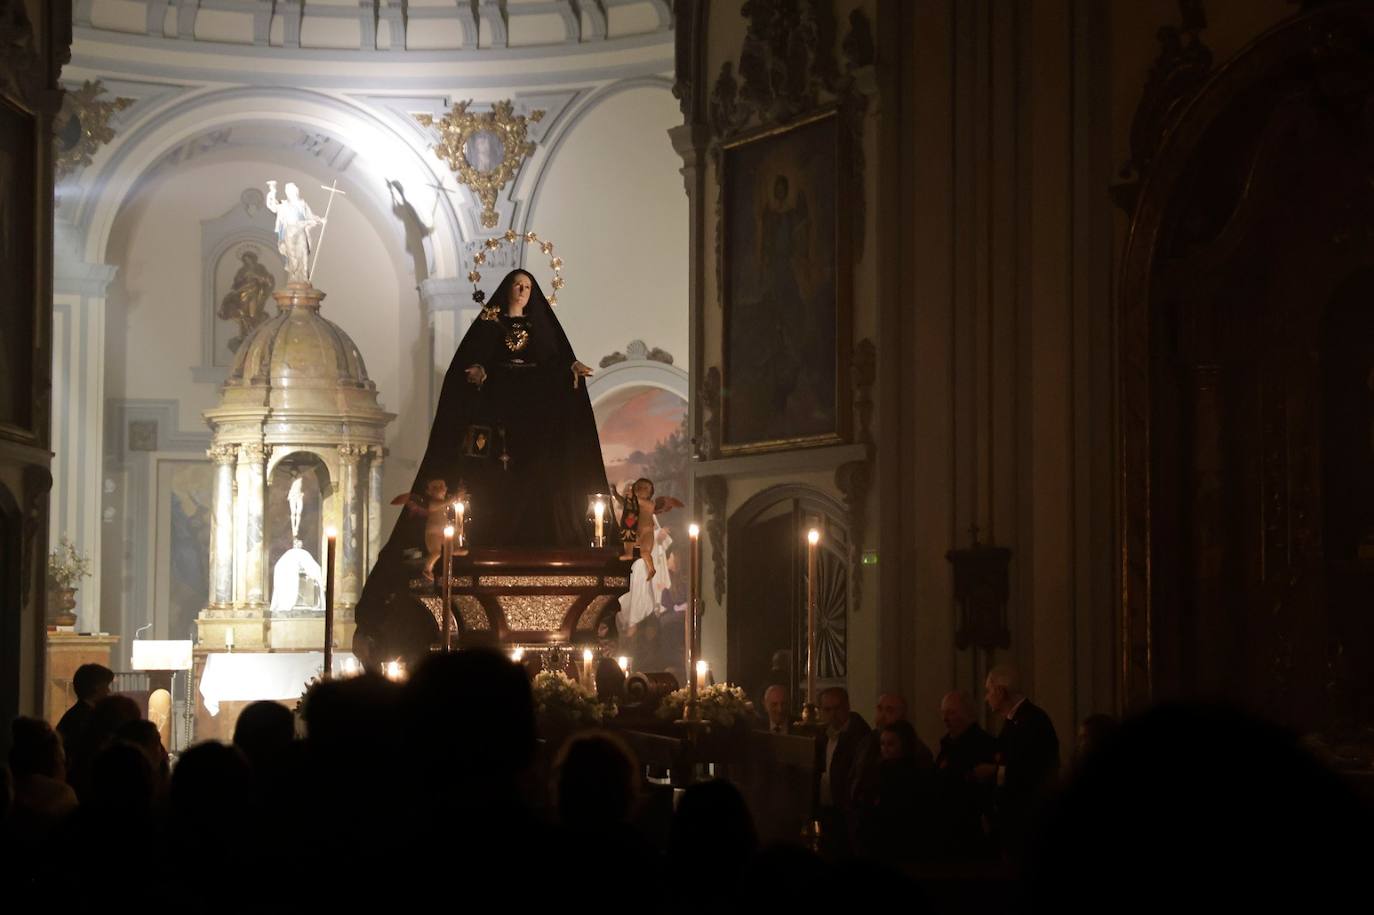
(596, 782)
(36, 749)
(91, 682)
(264, 731)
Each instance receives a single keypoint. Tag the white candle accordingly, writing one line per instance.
(461, 509)
(813, 537)
(587, 667)
(599, 508)
(624, 663)
(703, 671)
(517, 655)
(694, 532)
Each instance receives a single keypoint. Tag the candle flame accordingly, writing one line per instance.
(624, 663)
(813, 536)
(587, 655)
(693, 531)
(331, 532)
(702, 667)
(448, 531)
(517, 655)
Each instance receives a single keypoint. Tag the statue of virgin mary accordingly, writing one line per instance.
(514, 428)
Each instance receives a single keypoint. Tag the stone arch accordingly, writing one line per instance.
(765, 547)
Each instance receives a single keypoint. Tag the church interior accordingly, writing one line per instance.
(740, 454)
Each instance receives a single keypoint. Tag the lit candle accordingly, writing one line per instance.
(350, 666)
(599, 509)
(703, 672)
(624, 663)
(694, 532)
(331, 544)
(393, 670)
(461, 509)
(587, 667)
(447, 589)
(813, 537)
(517, 655)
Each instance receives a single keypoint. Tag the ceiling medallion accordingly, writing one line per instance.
(83, 126)
(484, 150)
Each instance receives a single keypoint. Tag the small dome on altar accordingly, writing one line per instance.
(299, 348)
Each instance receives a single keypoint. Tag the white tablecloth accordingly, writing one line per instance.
(247, 676)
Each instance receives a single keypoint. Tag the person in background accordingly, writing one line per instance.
(776, 720)
(91, 683)
(1028, 748)
(837, 749)
(962, 801)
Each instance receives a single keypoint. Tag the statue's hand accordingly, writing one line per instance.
(476, 375)
(579, 372)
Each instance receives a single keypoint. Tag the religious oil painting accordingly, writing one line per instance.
(244, 276)
(18, 184)
(786, 288)
(643, 433)
(185, 489)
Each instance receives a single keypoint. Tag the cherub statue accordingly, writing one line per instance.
(435, 509)
(637, 510)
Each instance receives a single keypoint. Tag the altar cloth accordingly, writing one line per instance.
(247, 676)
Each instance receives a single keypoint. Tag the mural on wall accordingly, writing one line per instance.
(245, 276)
(785, 299)
(188, 543)
(644, 434)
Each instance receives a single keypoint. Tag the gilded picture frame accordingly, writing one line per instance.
(786, 287)
(22, 261)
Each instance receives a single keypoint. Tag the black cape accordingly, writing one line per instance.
(529, 412)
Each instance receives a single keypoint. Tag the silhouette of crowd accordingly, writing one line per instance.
(438, 787)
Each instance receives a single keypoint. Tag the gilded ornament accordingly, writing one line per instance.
(83, 126)
(535, 613)
(484, 150)
(512, 237)
(517, 339)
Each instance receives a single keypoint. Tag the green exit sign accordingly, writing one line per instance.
(870, 557)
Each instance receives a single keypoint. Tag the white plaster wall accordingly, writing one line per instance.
(613, 202)
(154, 325)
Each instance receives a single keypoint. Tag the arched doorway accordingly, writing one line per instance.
(766, 627)
(1244, 381)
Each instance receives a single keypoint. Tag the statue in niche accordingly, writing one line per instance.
(295, 498)
(297, 582)
(295, 219)
(246, 300)
(297, 579)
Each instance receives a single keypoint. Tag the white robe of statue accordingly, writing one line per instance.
(286, 581)
(645, 595)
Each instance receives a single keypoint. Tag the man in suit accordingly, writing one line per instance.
(836, 750)
(776, 717)
(1028, 751)
(963, 801)
(91, 683)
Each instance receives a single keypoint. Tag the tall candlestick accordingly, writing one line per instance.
(813, 537)
(694, 533)
(331, 543)
(447, 589)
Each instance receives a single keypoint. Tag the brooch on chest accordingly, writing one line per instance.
(517, 338)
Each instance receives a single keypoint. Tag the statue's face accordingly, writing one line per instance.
(520, 292)
(293, 193)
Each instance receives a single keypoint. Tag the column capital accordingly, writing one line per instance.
(223, 454)
(350, 453)
(255, 452)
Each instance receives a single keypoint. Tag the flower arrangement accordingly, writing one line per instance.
(558, 699)
(719, 703)
(66, 566)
